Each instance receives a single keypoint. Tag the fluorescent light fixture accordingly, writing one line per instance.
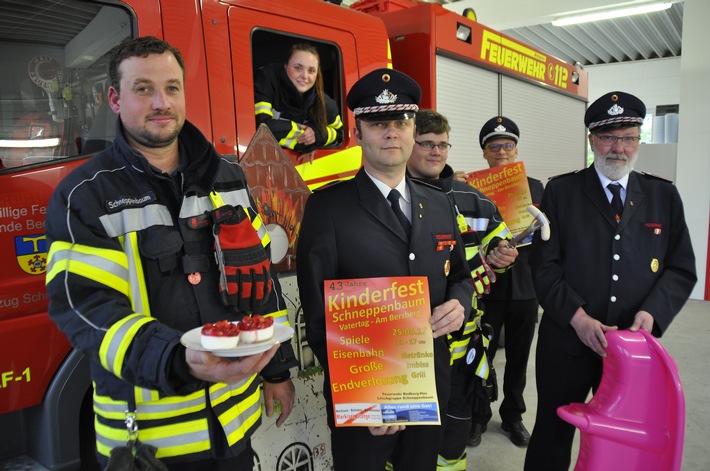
(607, 15)
(30, 143)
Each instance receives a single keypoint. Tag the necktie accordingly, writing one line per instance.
(616, 204)
(393, 198)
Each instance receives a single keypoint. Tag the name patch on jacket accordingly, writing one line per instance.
(129, 202)
(443, 241)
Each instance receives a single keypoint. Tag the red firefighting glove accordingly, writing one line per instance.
(244, 265)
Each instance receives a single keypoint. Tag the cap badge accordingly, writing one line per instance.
(386, 97)
(615, 110)
(500, 128)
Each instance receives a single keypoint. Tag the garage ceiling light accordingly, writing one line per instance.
(609, 14)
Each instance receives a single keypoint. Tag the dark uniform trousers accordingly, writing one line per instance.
(350, 231)
(512, 304)
(613, 270)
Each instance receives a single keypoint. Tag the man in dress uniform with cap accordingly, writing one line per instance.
(382, 224)
(511, 303)
(619, 257)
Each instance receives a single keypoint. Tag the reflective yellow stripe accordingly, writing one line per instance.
(263, 107)
(280, 317)
(241, 417)
(216, 199)
(457, 464)
(336, 166)
(337, 123)
(105, 266)
(136, 276)
(291, 138)
(500, 231)
(332, 134)
(118, 339)
(171, 440)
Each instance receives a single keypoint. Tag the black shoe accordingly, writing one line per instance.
(519, 435)
(474, 438)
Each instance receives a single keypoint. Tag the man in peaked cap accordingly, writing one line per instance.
(511, 303)
(361, 228)
(619, 257)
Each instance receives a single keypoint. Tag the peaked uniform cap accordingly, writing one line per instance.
(384, 94)
(615, 110)
(497, 127)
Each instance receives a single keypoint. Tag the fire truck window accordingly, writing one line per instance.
(269, 47)
(53, 78)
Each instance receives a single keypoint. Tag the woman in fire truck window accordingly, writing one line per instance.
(290, 99)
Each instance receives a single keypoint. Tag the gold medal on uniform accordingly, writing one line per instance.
(654, 265)
(447, 268)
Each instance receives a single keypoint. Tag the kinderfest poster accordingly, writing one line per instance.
(381, 351)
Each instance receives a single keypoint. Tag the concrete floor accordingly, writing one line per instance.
(687, 341)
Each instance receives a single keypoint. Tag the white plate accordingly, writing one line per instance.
(192, 339)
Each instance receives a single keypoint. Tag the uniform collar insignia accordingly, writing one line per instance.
(615, 110)
(500, 128)
(386, 97)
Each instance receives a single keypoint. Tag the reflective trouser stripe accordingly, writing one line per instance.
(458, 464)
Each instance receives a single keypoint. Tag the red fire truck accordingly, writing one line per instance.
(54, 114)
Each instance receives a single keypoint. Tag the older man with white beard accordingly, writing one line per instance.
(619, 257)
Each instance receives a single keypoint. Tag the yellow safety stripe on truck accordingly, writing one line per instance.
(336, 166)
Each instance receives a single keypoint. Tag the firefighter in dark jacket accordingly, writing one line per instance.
(132, 268)
(619, 257)
(484, 234)
(290, 100)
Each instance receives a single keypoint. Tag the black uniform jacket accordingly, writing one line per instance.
(350, 231)
(645, 262)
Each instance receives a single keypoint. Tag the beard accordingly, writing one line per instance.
(614, 166)
(150, 139)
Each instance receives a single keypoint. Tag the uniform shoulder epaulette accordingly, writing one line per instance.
(655, 177)
(329, 185)
(427, 184)
(563, 175)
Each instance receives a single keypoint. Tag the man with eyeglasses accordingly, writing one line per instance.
(608, 265)
(512, 304)
(484, 234)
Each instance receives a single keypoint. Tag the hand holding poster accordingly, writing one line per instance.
(507, 185)
(381, 351)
